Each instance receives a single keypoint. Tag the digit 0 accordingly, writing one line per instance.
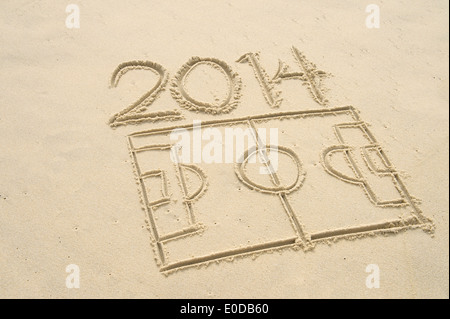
(186, 101)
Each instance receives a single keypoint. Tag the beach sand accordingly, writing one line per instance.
(87, 185)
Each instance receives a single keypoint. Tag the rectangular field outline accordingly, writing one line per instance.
(302, 241)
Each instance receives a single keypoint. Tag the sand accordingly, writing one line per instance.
(88, 181)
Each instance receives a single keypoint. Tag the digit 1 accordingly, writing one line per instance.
(271, 95)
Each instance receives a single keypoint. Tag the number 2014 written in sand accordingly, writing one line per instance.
(135, 113)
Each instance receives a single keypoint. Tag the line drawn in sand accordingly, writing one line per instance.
(374, 166)
(359, 178)
(136, 113)
(188, 197)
